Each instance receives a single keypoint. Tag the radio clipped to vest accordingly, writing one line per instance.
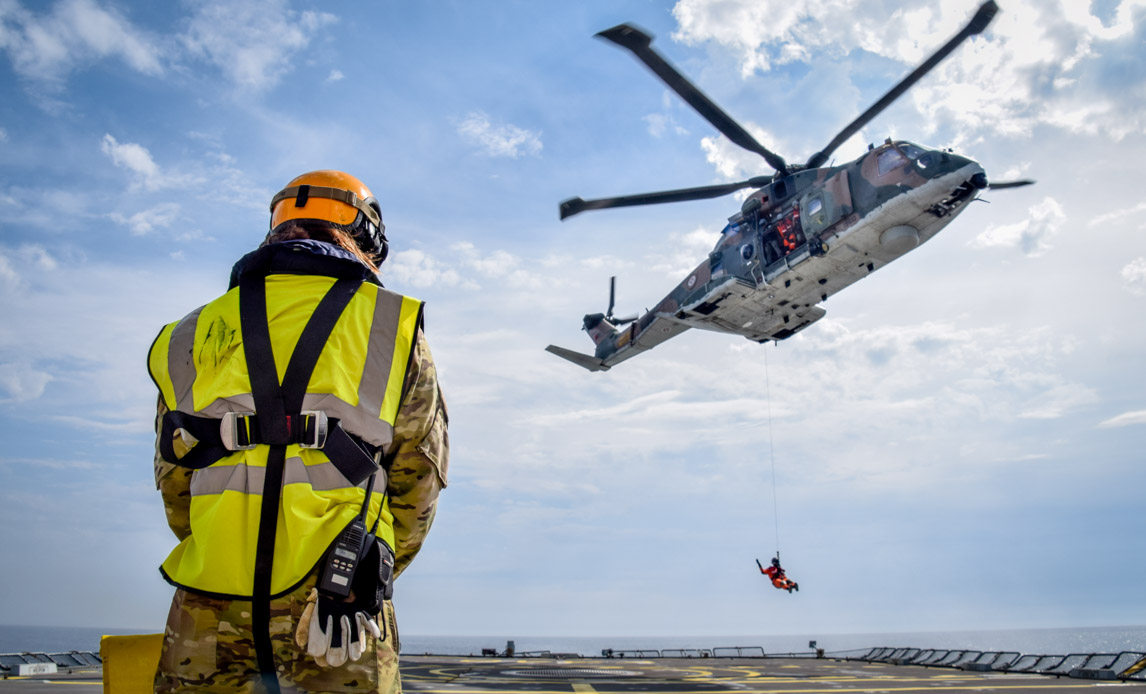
(341, 561)
(360, 562)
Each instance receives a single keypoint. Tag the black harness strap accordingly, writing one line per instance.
(349, 454)
(207, 451)
(278, 406)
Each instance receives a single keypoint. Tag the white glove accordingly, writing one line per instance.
(325, 630)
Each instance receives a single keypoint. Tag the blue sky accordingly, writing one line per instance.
(958, 444)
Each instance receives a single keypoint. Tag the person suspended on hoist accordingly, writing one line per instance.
(775, 572)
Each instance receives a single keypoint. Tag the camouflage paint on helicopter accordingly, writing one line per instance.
(804, 235)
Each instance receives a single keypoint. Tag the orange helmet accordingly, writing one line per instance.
(337, 198)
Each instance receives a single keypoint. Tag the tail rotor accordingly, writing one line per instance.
(612, 297)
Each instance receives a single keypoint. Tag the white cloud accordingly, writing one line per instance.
(61, 299)
(1031, 236)
(1124, 420)
(499, 265)
(193, 235)
(464, 264)
(253, 42)
(132, 157)
(141, 223)
(20, 382)
(733, 162)
(45, 207)
(1120, 216)
(52, 464)
(417, 269)
(137, 159)
(684, 250)
(1134, 276)
(48, 47)
(506, 140)
(661, 124)
(29, 257)
(9, 278)
(883, 400)
(3, 135)
(605, 262)
(1037, 63)
(1058, 401)
(335, 76)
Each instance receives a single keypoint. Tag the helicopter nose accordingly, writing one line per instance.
(979, 180)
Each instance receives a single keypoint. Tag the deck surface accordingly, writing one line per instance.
(462, 675)
(436, 675)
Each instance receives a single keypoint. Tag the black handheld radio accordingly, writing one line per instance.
(342, 560)
(343, 557)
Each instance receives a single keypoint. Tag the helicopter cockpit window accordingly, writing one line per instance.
(889, 160)
(779, 190)
(815, 206)
(921, 157)
(730, 233)
(910, 150)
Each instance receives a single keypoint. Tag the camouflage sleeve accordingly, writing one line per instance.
(419, 455)
(173, 483)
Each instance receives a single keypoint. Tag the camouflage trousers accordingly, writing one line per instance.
(208, 646)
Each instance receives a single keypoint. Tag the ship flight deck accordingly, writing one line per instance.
(429, 674)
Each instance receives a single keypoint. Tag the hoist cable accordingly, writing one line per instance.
(772, 453)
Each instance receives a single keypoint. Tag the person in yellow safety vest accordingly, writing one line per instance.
(301, 445)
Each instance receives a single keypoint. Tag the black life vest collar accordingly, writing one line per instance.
(302, 257)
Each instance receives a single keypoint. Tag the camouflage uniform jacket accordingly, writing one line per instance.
(208, 643)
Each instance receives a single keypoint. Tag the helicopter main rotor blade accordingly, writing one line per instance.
(978, 23)
(574, 206)
(637, 41)
(1009, 184)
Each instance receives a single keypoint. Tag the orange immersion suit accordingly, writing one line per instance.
(779, 579)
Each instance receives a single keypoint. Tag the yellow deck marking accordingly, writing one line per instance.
(583, 687)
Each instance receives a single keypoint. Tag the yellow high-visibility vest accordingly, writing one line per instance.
(200, 367)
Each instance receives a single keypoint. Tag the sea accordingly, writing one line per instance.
(1057, 641)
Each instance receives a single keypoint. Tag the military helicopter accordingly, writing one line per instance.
(802, 235)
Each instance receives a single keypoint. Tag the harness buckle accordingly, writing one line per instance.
(235, 431)
(320, 428)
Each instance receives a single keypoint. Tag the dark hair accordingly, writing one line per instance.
(296, 229)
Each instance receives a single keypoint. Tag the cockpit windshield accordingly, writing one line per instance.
(920, 156)
(909, 150)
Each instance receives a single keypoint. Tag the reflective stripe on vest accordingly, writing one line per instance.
(200, 368)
